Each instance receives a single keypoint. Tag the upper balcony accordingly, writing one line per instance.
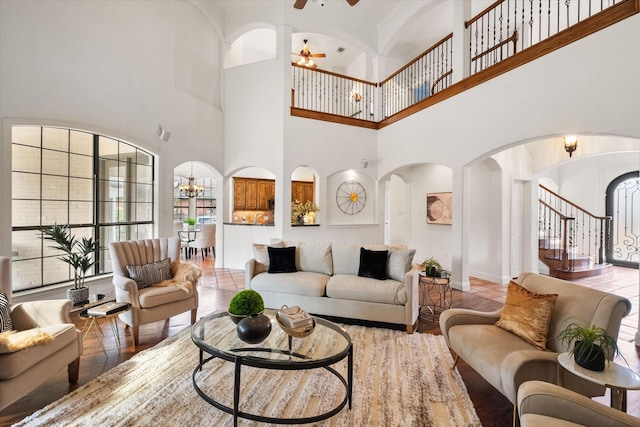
(506, 35)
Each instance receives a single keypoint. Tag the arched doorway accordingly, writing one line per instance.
(623, 206)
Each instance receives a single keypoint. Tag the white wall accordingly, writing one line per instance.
(116, 68)
(429, 240)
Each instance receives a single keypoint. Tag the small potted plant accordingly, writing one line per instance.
(245, 309)
(78, 255)
(589, 344)
(245, 303)
(191, 222)
(431, 267)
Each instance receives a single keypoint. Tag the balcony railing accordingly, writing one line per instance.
(509, 32)
(332, 93)
(425, 75)
(509, 26)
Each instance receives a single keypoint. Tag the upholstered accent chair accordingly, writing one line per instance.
(506, 361)
(206, 240)
(157, 298)
(21, 371)
(541, 404)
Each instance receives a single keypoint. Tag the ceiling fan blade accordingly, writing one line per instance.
(352, 2)
(318, 55)
(299, 4)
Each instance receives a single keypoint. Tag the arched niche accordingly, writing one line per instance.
(351, 198)
(252, 192)
(195, 194)
(304, 196)
(253, 46)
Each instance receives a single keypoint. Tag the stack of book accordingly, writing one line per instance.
(108, 308)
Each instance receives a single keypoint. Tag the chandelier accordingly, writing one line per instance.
(191, 190)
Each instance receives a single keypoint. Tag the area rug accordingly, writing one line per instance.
(399, 380)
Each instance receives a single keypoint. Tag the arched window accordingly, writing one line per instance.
(100, 186)
(623, 206)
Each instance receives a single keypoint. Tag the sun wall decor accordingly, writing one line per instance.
(351, 197)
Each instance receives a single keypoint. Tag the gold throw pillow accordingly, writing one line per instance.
(527, 314)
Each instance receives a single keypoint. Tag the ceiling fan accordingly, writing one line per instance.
(299, 4)
(306, 55)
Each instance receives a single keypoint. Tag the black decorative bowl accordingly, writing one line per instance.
(254, 329)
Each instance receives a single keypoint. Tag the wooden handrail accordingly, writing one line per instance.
(555, 211)
(439, 79)
(571, 203)
(330, 73)
(513, 38)
(417, 58)
(481, 14)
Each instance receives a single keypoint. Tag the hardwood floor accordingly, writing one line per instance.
(217, 288)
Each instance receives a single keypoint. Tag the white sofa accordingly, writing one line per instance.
(327, 283)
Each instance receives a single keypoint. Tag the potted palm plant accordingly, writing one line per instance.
(78, 254)
(589, 344)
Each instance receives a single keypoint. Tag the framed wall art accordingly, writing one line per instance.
(439, 208)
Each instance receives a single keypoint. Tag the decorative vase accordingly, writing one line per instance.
(254, 329)
(78, 296)
(300, 220)
(593, 360)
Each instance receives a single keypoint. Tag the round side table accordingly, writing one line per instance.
(618, 378)
(436, 295)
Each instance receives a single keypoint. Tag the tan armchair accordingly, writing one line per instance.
(541, 404)
(506, 361)
(22, 371)
(161, 300)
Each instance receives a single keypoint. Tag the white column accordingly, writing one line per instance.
(460, 61)
(460, 229)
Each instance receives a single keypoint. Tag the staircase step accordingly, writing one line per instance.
(580, 273)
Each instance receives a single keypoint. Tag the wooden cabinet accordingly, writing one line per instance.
(239, 191)
(263, 195)
(302, 191)
(250, 194)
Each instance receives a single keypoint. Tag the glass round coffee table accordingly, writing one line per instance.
(216, 335)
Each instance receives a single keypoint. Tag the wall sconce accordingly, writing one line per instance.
(570, 144)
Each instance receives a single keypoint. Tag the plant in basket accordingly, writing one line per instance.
(245, 303)
(589, 344)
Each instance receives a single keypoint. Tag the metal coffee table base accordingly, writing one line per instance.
(239, 361)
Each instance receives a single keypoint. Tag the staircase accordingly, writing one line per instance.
(571, 240)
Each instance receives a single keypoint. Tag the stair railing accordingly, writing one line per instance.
(579, 232)
(556, 228)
